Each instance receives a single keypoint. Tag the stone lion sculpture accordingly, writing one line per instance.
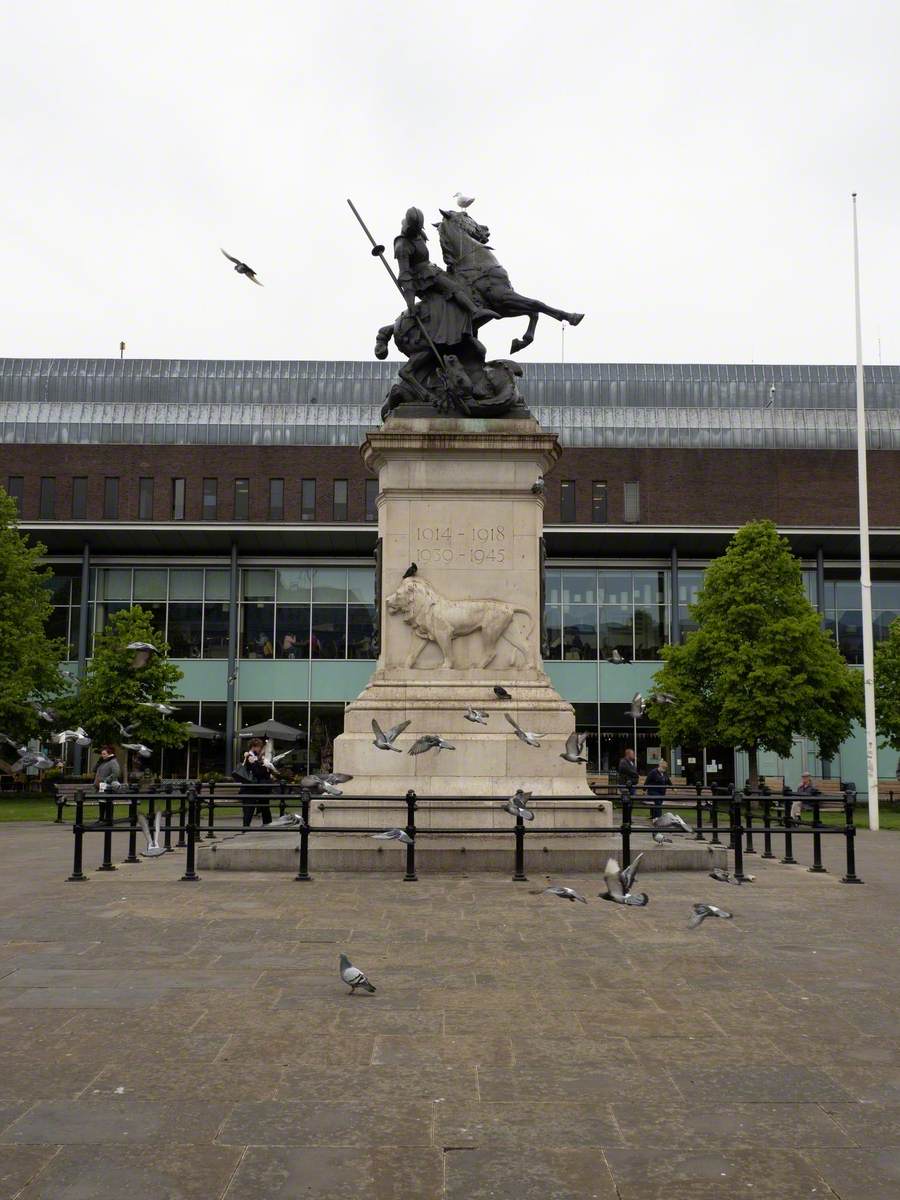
(434, 618)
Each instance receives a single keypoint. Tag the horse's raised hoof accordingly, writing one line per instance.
(575, 318)
(519, 344)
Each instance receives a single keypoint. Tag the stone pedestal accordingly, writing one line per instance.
(455, 498)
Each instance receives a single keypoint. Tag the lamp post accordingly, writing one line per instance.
(864, 565)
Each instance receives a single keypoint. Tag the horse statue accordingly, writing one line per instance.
(470, 260)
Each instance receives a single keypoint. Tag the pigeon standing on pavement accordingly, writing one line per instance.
(476, 715)
(353, 977)
(385, 741)
(242, 268)
(618, 885)
(702, 911)
(575, 744)
(393, 835)
(525, 735)
(429, 741)
(517, 805)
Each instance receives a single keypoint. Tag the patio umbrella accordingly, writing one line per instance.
(202, 731)
(274, 730)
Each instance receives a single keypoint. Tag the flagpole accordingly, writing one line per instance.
(864, 564)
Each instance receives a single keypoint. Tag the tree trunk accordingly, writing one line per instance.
(753, 768)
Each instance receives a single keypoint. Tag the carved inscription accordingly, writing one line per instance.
(466, 546)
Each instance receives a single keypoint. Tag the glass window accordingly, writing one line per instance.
(15, 487)
(327, 639)
(150, 583)
(256, 584)
(598, 502)
(339, 511)
(886, 593)
(632, 502)
(47, 510)
(847, 593)
(371, 498)
(294, 585)
(554, 631)
(296, 716)
(615, 630)
(579, 631)
(291, 630)
(553, 587)
(104, 610)
(326, 723)
(650, 630)
(252, 714)
(257, 630)
(276, 499)
(689, 585)
(241, 499)
(614, 587)
(145, 499)
(361, 585)
(308, 500)
(849, 622)
(110, 498)
(58, 624)
(579, 587)
(114, 583)
(881, 623)
(177, 499)
(330, 585)
(217, 585)
(567, 502)
(215, 630)
(361, 631)
(79, 498)
(207, 754)
(185, 630)
(185, 584)
(651, 587)
(210, 499)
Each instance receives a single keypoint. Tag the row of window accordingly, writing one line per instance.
(211, 499)
(568, 502)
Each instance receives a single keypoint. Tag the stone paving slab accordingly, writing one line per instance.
(194, 1041)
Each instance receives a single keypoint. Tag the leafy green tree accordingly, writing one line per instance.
(887, 686)
(759, 669)
(112, 693)
(29, 659)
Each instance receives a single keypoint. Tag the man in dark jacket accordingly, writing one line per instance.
(656, 782)
(628, 772)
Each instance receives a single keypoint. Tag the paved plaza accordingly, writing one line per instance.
(164, 1039)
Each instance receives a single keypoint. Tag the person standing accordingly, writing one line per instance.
(657, 781)
(261, 771)
(108, 772)
(628, 772)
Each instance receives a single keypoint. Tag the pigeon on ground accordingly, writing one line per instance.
(637, 706)
(672, 822)
(501, 693)
(617, 889)
(726, 877)
(385, 741)
(476, 715)
(564, 893)
(32, 758)
(142, 653)
(517, 805)
(242, 268)
(463, 201)
(537, 488)
(154, 849)
(165, 709)
(616, 657)
(326, 785)
(661, 838)
(702, 911)
(525, 735)
(410, 571)
(353, 977)
(429, 741)
(393, 835)
(138, 748)
(575, 744)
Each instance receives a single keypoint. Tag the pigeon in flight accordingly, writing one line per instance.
(125, 730)
(501, 693)
(138, 748)
(637, 706)
(242, 268)
(32, 758)
(724, 876)
(517, 805)
(142, 653)
(618, 885)
(353, 977)
(463, 201)
(410, 571)
(575, 744)
(165, 709)
(288, 821)
(429, 741)
(672, 822)
(660, 838)
(46, 714)
(476, 715)
(277, 758)
(616, 657)
(662, 698)
(537, 488)
(79, 736)
(7, 740)
(154, 849)
(564, 893)
(325, 784)
(393, 835)
(385, 741)
(524, 735)
(702, 911)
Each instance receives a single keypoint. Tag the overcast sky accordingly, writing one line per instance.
(679, 172)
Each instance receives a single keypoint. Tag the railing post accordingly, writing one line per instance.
(411, 876)
(736, 839)
(211, 817)
(167, 820)
(303, 875)
(60, 804)
(282, 788)
(190, 874)
(182, 813)
(767, 828)
(850, 839)
(698, 819)
(748, 812)
(714, 819)
(132, 832)
(788, 837)
(519, 876)
(626, 830)
(107, 808)
(78, 875)
(817, 868)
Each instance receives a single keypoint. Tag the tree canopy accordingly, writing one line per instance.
(29, 659)
(887, 686)
(759, 670)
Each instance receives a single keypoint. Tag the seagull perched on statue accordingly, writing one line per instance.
(575, 744)
(242, 268)
(525, 735)
(476, 715)
(463, 201)
(353, 977)
(393, 835)
(517, 805)
(619, 884)
(153, 849)
(702, 911)
(429, 741)
(385, 741)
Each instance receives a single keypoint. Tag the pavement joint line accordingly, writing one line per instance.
(233, 1176)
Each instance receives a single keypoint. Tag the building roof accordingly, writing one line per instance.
(208, 401)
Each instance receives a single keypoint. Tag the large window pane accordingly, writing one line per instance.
(59, 586)
(689, 585)
(881, 623)
(114, 583)
(295, 715)
(276, 499)
(886, 593)
(150, 584)
(308, 500)
(328, 634)
(103, 611)
(210, 499)
(111, 498)
(258, 585)
(361, 631)
(586, 722)
(614, 587)
(241, 499)
(217, 585)
(339, 509)
(330, 585)
(847, 593)
(850, 634)
(185, 630)
(291, 630)
(186, 584)
(632, 501)
(79, 498)
(58, 623)
(326, 723)
(598, 502)
(567, 501)
(178, 499)
(553, 587)
(47, 506)
(294, 585)
(145, 498)
(651, 587)
(579, 631)
(210, 755)
(257, 630)
(215, 631)
(650, 630)
(15, 487)
(615, 630)
(579, 587)
(361, 585)
(554, 631)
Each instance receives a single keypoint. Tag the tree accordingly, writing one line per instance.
(887, 686)
(29, 659)
(112, 693)
(759, 669)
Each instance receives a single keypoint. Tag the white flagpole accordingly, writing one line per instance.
(865, 569)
